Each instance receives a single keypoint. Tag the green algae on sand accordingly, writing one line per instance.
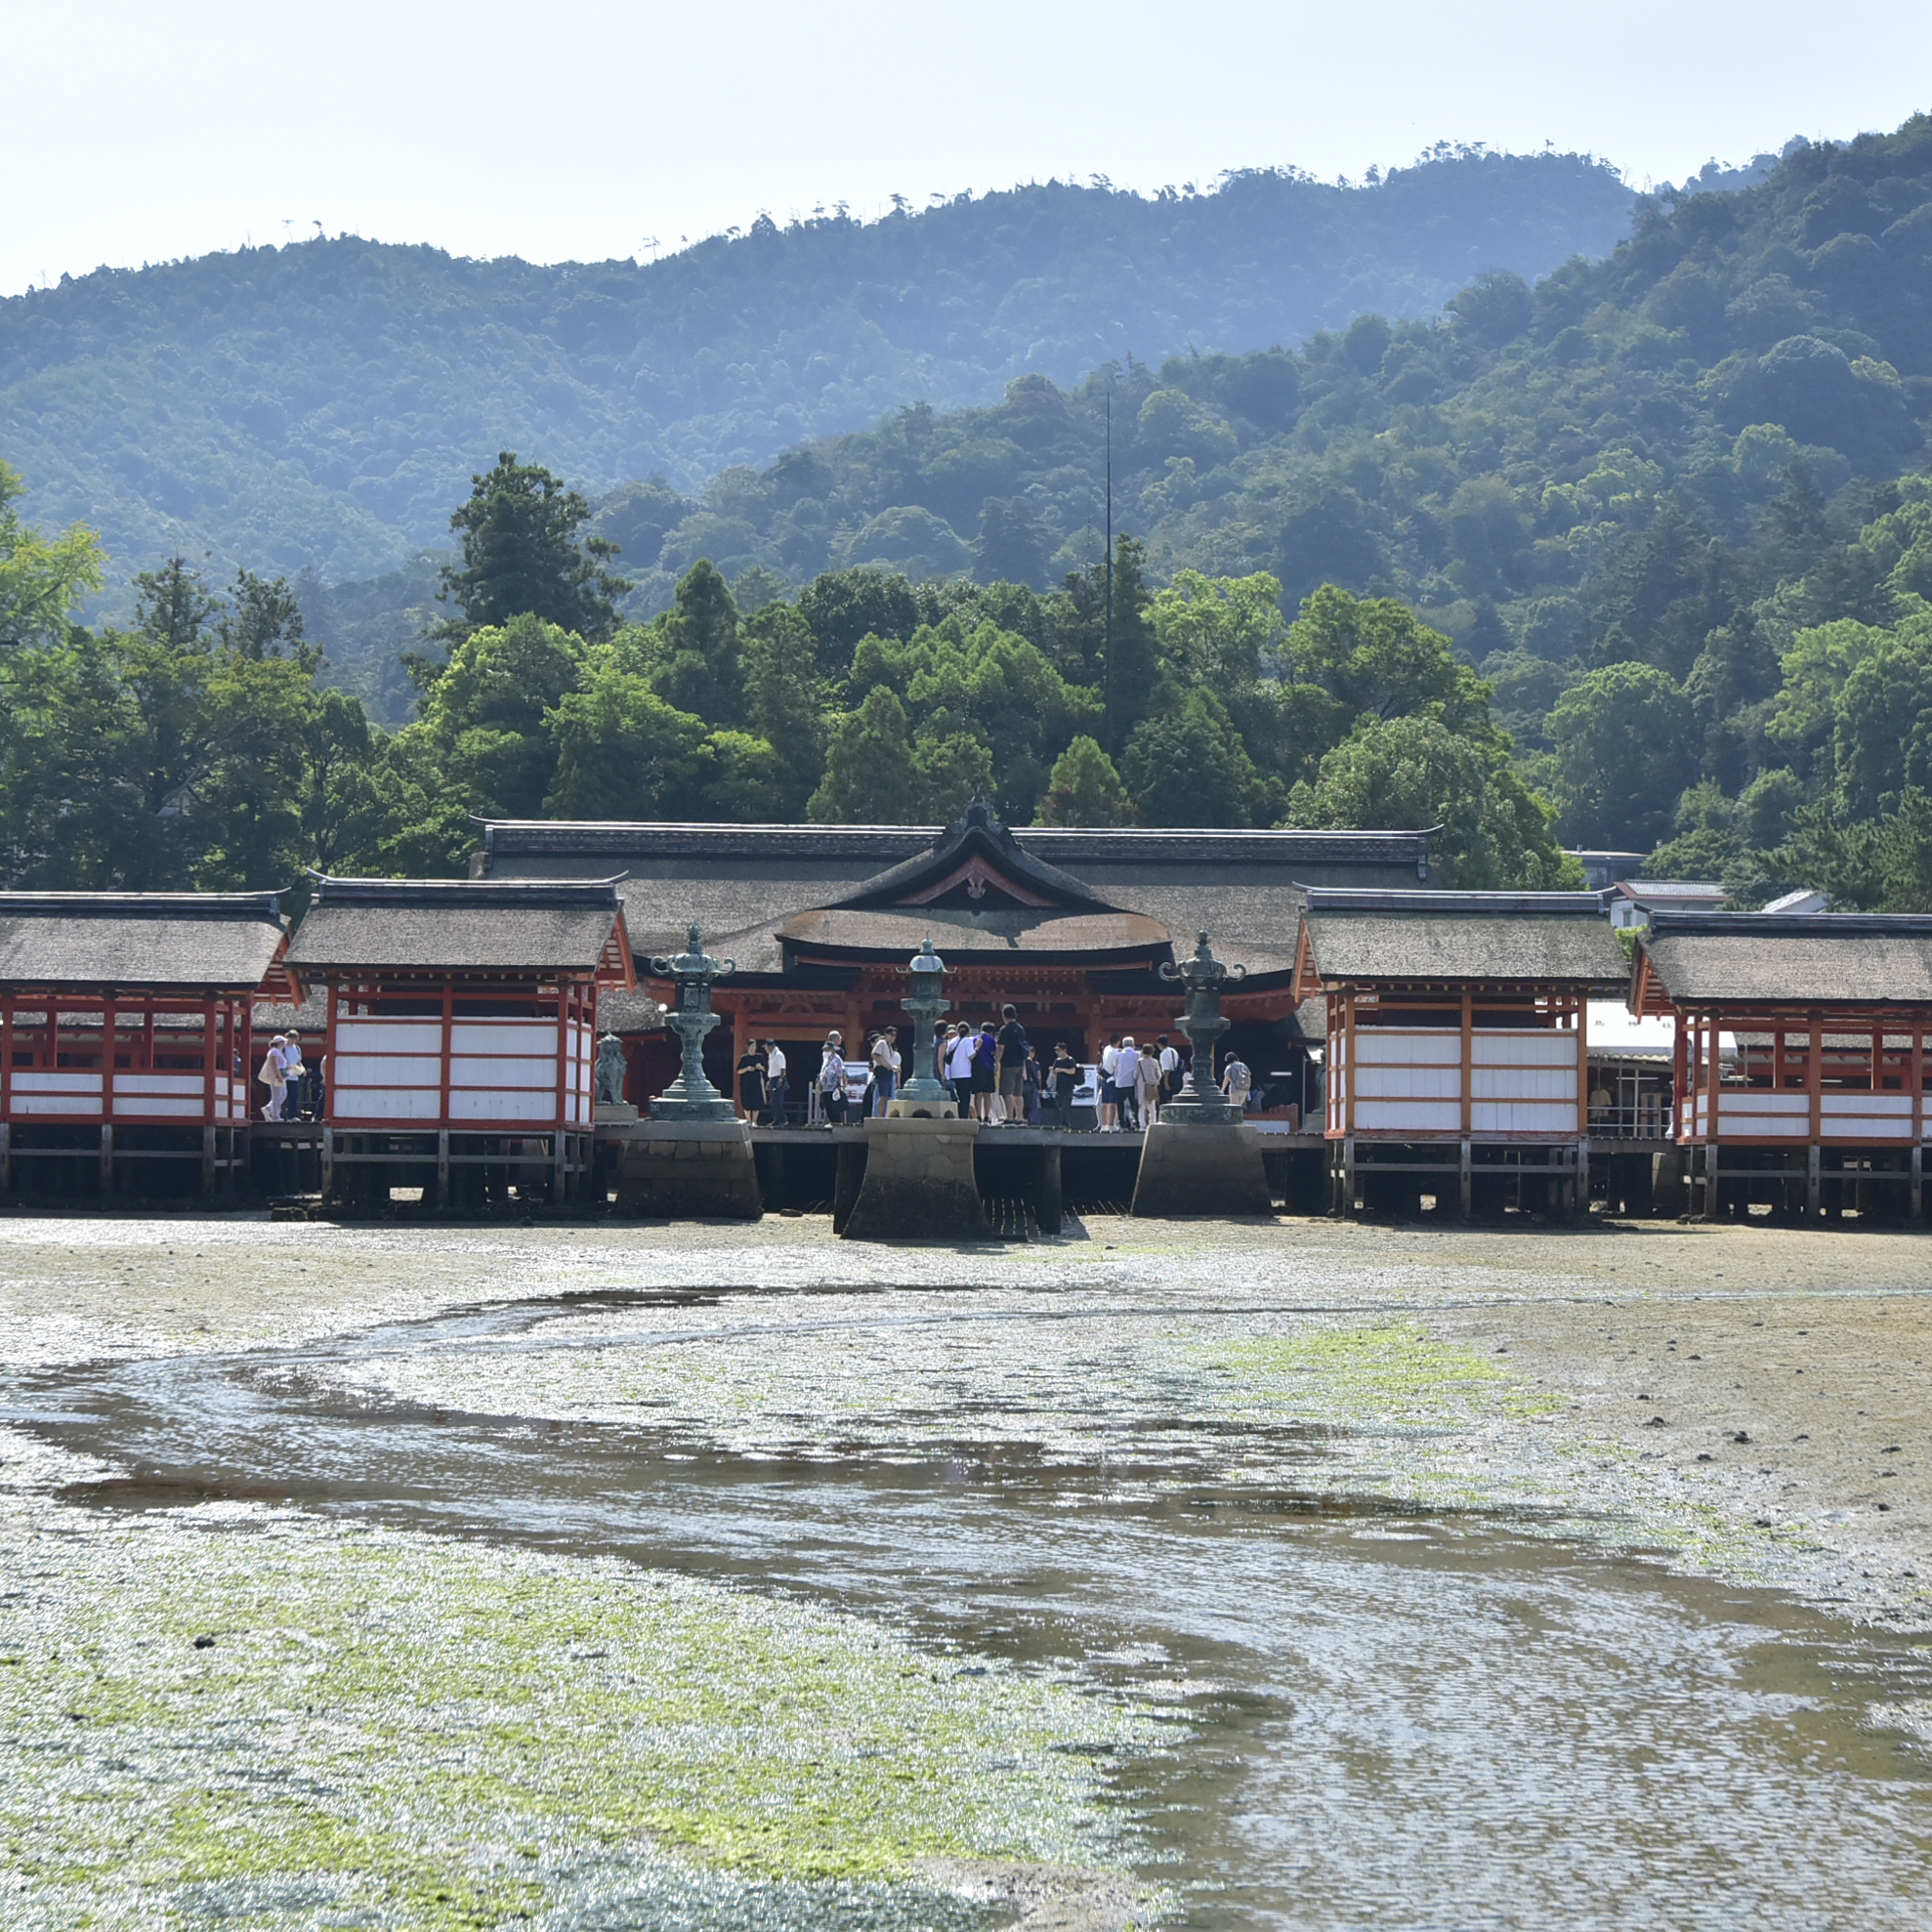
(1388, 1371)
(390, 1728)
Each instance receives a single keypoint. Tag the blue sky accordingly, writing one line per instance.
(586, 128)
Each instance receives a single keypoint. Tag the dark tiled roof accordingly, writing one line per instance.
(477, 925)
(1562, 940)
(1826, 958)
(222, 942)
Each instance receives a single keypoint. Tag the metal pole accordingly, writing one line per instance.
(1113, 742)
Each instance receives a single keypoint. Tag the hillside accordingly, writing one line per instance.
(323, 406)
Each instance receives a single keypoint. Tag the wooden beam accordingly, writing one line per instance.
(1468, 1058)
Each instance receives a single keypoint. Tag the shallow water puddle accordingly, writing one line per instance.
(1368, 1714)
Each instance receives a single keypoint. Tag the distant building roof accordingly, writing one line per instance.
(176, 942)
(527, 924)
(1604, 868)
(1555, 939)
(1670, 892)
(1801, 901)
(1829, 959)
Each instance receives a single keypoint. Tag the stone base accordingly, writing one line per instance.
(688, 1170)
(906, 1106)
(1207, 1168)
(919, 1183)
(614, 1113)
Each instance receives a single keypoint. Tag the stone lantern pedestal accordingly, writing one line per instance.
(920, 1183)
(691, 1161)
(1200, 1157)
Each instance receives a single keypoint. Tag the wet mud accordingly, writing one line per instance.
(1326, 1594)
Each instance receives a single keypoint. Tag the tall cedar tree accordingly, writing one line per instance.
(522, 555)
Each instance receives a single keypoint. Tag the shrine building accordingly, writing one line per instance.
(1070, 927)
(1457, 1054)
(460, 1030)
(126, 1037)
(1804, 1045)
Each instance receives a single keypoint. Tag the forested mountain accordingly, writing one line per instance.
(1640, 555)
(322, 406)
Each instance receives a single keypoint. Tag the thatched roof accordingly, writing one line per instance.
(742, 883)
(458, 924)
(134, 942)
(1556, 940)
(898, 934)
(1833, 959)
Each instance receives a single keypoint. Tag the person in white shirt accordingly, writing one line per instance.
(774, 1083)
(1170, 1070)
(1110, 1094)
(275, 1078)
(959, 1066)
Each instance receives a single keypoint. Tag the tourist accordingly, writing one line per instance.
(1065, 1077)
(885, 1069)
(296, 1077)
(775, 1084)
(275, 1078)
(1146, 1086)
(1035, 1074)
(985, 1053)
(1010, 1050)
(1237, 1082)
(1170, 1070)
(1110, 1094)
(831, 1080)
(958, 1061)
(750, 1082)
(1126, 1082)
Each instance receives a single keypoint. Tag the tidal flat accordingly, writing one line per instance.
(1269, 1573)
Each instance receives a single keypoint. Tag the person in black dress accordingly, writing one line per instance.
(751, 1081)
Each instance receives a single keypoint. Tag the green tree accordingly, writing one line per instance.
(869, 779)
(1883, 740)
(1417, 772)
(1190, 768)
(488, 713)
(1015, 542)
(1377, 659)
(264, 619)
(42, 578)
(744, 778)
(621, 752)
(1136, 665)
(950, 772)
(1881, 865)
(1085, 790)
(523, 555)
(783, 704)
(1623, 739)
(696, 664)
